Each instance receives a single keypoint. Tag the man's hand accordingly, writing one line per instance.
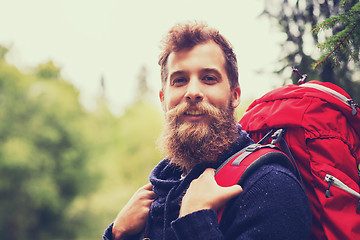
(205, 193)
(132, 218)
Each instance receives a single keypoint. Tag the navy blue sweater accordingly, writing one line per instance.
(273, 205)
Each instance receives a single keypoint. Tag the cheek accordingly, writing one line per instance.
(173, 98)
(219, 99)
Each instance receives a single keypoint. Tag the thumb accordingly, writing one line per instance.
(228, 193)
(232, 191)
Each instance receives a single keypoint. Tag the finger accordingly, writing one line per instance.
(234, 190)
(148, 202)
(146, 194)
(210, 171)
(148, 186)
(150, 195)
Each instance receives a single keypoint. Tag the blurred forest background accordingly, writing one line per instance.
(66, 171)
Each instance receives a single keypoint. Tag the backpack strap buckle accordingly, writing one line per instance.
(302, 77)
(278, 135)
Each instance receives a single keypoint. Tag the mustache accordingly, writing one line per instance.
(205, 108)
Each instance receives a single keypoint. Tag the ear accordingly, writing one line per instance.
(236, 93)
(162, 98)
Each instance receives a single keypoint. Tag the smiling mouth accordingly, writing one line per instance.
(194, 113)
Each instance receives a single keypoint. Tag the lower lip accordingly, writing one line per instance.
(193, 118)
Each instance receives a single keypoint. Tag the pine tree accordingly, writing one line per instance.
(346, 41)
(336, 22)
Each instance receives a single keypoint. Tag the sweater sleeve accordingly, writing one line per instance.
(273, 205)
(198, 225)
(108, 233)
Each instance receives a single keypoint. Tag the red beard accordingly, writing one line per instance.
(187, 144)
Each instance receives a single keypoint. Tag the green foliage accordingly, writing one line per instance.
(3, 51)
(297, 19)
(126, 154)
(43, 156)
(139, 128)
(65, 172)
(347, 41)
(48, 71)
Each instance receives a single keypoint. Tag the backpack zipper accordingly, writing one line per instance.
(335, 94)
(331, 180)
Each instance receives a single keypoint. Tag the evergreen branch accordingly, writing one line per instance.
(321, 26)
(344, 17)
(349, 52)
(339, 45)
(343, 3)
(355, 7)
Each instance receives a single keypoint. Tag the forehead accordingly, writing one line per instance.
(205, 55)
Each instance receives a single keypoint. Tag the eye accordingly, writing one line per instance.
(180, 81)
(209, 79)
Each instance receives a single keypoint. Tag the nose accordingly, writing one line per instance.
(193, 92)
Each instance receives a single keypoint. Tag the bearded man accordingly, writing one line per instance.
(200, 91)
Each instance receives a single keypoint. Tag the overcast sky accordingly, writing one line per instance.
(88, 39)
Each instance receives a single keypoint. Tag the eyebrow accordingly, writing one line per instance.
(176, 73)
(205, 70)
(211, 70)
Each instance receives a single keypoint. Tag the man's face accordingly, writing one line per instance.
(198, 75)
(199, 106)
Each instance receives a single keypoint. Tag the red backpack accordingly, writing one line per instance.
(318, 127)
